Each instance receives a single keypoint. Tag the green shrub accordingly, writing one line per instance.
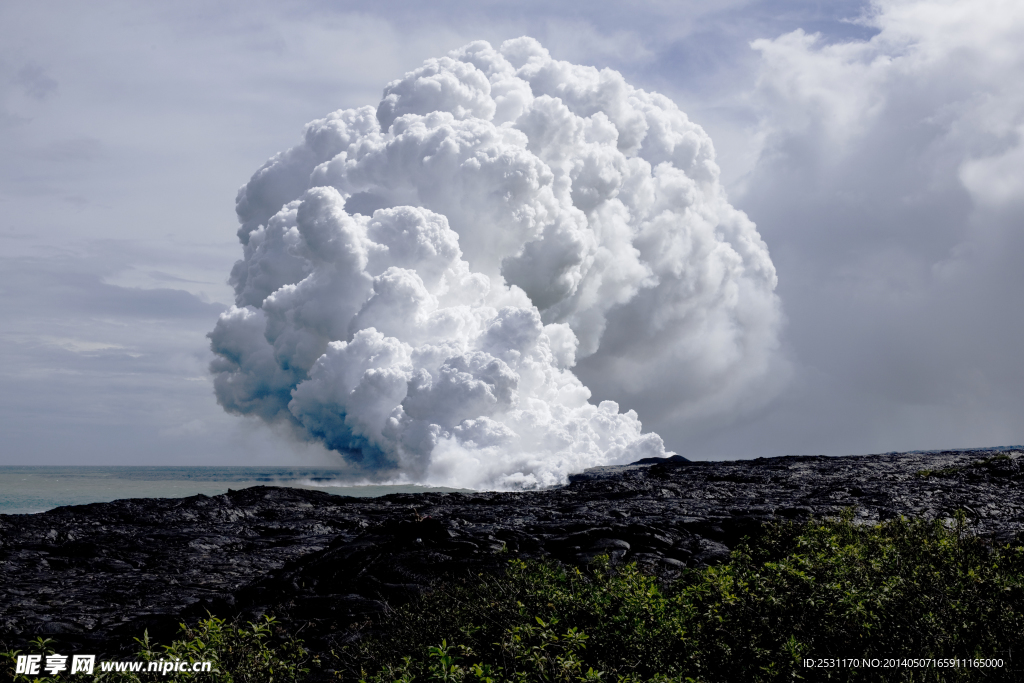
(824, 589)
(828, 589)
(239, 654)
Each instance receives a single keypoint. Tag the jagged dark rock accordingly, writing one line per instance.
(94, 576)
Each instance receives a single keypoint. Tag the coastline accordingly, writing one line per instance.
(30, 489)
(95, 576)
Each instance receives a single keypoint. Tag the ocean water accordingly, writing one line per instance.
(26, 490)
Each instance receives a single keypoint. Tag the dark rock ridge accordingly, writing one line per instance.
(94, 576)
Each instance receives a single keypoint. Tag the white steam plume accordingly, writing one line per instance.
(418, 280)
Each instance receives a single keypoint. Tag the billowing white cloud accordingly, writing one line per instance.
(944, 67)
(889, 186)
(419, 280)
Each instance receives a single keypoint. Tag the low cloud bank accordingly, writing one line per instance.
(420, 280)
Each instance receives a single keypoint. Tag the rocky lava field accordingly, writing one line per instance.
(95, 576)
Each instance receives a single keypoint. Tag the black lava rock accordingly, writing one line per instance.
(94, 576)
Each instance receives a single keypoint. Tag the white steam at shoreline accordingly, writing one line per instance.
(419, 280)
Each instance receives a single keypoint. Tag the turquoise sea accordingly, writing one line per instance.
(25, 490)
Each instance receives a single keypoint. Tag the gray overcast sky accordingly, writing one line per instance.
(878, 147)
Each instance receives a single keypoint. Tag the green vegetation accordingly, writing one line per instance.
(825, 589)
(954, 469)
(822, 590)
(239, 654)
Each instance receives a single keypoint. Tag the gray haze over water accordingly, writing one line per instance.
(26, 490)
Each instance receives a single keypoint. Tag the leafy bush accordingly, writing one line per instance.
(240, 654)
(827, 589)
(833, 589)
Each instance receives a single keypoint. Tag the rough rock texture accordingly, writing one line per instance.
(94, 576)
